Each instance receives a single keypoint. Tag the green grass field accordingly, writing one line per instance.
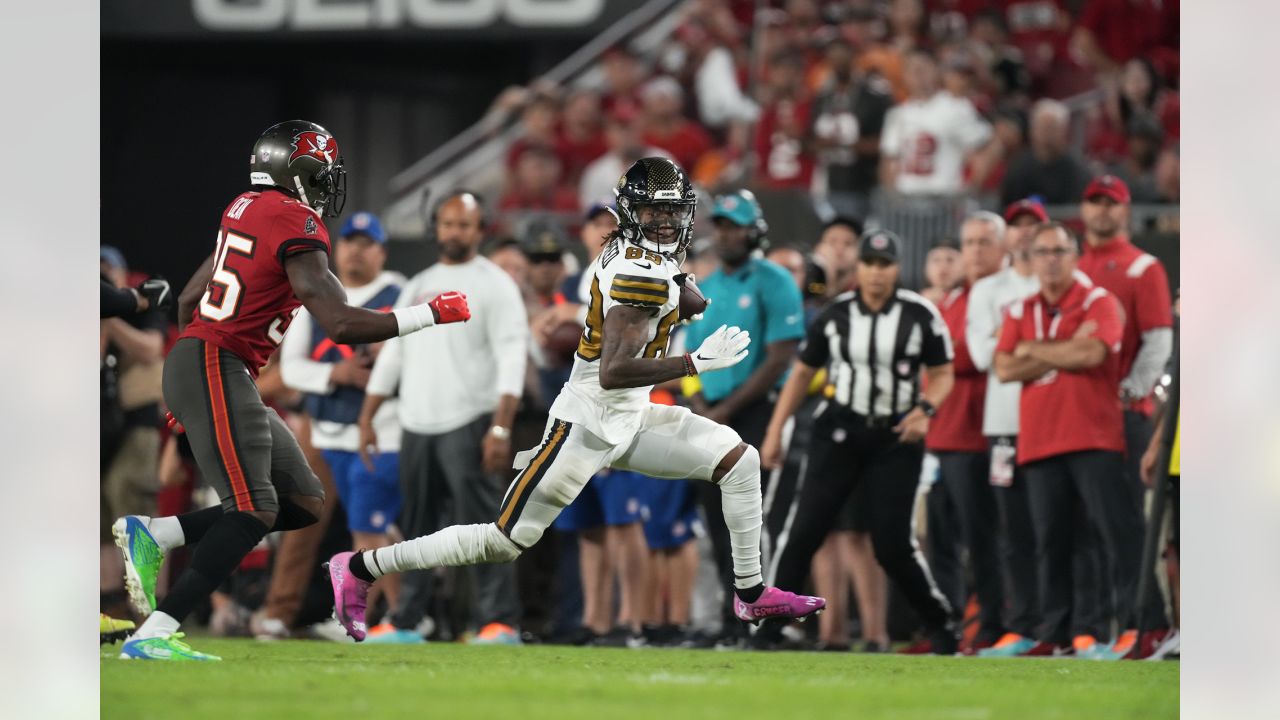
(327, 680)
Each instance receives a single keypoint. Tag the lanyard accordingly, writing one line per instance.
(1039, 321)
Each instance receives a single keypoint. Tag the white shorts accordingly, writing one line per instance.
(671, 443)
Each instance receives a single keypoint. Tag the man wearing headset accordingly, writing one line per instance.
(760, 297)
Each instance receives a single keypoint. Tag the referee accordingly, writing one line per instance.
(874, 342)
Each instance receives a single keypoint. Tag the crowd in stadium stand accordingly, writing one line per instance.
(1066, 102)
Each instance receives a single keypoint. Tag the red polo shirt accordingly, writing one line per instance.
(1068, 410)
(1139, 282)
(958, 425)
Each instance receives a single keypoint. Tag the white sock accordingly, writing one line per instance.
(158, 625)
(740, 500)
(167, 531)
(452, 546)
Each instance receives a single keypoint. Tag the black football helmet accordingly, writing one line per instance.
(655, 206)
(301, 158)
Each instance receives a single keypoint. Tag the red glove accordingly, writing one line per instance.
(172, 423)
(450, 307)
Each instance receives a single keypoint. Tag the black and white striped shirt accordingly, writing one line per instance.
(873, 359)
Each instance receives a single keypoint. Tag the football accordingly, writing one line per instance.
(562, 343)
(692, 301)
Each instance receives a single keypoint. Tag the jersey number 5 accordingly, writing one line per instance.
(226, 283)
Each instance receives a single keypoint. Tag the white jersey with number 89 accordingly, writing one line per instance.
(623, 274)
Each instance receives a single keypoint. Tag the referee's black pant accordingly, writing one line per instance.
(844, 452)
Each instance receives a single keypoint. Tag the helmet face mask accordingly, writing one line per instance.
(656, 206)
(303, 159)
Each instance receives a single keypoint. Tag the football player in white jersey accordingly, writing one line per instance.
(603, 417)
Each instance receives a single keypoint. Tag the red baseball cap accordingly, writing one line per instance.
(1025, 207)
(1108, 186)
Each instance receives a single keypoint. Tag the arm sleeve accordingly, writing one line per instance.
(296, 231)
(1009, 334)
(935, 348)
(1149, 365)
(815, 351)
(982, 320)
(297, 369)
(891, 135)
(720, 100)
(385, 375)
(970, 129)
(1155, 306)
(117, 301)
(508, 329)
(1105, 311)
(784, 309)
(644, 291)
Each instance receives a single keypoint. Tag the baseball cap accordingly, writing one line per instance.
(879, 244)
(364, 223)
(1108, 186)
(112, 256)
(1026, 206)
(739, 208)
(597, 208)
(544, 240)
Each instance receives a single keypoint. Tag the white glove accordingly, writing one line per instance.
(726, 347)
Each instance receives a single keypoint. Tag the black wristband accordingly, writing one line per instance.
(927, 407)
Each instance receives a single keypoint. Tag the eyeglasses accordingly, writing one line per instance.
(1056, 252)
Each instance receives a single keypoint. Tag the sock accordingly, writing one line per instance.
(159, 624)
(740, 500)
(167, 531)
(224, 546)
(195, 524)
(751, 594)
(452, 546)
(359, 569)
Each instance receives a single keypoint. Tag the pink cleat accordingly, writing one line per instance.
(350, 595)
(775, 603)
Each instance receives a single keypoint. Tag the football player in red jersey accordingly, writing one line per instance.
(272, 257)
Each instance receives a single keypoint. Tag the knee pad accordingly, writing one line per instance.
(293, 516)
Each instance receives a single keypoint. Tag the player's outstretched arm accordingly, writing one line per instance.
(190, 296)
(323, 296)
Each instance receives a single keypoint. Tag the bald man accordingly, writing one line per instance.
(458, 397)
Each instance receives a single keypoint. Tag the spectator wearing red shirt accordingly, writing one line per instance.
(665, 125)
(785, 160)
(622, 77)
(535, 185)
(1063, 344)
(964, 500)
(1139, 93)
(537, 127)
(1111, 32)
(581, 138)
(1139, 282)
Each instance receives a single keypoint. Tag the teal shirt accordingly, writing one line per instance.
(761, 298)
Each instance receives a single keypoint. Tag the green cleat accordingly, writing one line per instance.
(142, 560)
(162, 648)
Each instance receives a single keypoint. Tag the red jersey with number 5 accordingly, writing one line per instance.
(249, 303)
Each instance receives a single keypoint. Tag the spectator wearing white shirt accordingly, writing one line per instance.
(928, 138)
(622, 133)
(458, 392)
(333, 378)
(989, 301)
